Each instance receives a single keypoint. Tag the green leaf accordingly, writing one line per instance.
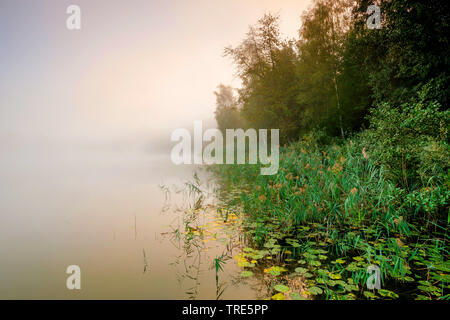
(315, 290)
(281, 288)
(387, 293)
(301, 270)
(369, 295)
(246, 274)
(315, 263)
(296, 296)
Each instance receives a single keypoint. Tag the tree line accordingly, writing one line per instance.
(337, 70)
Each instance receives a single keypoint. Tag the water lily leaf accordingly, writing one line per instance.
(352, 267)
(281, 288)
(351, 287)
(320, 280)
(369, 295)
(334, 276)
(408, 279)
(243, 263)
(387, 293)
(341, 283)
(296, 296)
(279, 296)
(349, 296)
(275, 270)
(428, 288)
(309, 256)
(246, 274)
(315, 290)
(315, 263)
(301, 270)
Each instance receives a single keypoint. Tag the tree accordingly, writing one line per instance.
(321, 47)
(410, 51)
(266, 65)
(227, 111)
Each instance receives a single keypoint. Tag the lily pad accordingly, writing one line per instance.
(301, 270)
(387, 293)
(281, 288)
(246, 274)
(369, 295)
(315, 263)
(315, 290)
(279, 296)
(296, 296)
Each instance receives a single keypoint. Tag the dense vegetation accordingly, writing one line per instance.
(363, 175)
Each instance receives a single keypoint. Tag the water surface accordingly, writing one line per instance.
(99, 207)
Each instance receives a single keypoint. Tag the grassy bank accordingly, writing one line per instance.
(331, 212)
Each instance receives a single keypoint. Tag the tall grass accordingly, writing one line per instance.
(336, 185)
(337, 194)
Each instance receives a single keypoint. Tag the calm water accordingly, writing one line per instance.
(99, 207)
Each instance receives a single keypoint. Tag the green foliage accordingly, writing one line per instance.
(338, 69)
(378, 196)
(333, 209)
(328, 184)
(411, 143)
(409, 51)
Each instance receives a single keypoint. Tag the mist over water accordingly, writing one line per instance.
(75, 203)
(85, 124)
(99, 206)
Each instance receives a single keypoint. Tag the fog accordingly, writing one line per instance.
(86, 117)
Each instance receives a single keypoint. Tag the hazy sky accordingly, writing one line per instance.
(136, 68)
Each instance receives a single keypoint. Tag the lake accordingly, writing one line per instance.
(100, 206)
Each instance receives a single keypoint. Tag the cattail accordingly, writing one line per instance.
(365, 155)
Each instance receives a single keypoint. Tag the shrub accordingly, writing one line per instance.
(410, 142)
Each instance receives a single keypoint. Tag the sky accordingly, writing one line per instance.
(137, 69)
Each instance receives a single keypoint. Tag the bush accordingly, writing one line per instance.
(411, 143)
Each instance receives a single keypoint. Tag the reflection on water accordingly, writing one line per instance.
(64, 204)
(207, 241)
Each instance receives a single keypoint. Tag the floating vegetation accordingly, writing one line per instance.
(315, 230)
